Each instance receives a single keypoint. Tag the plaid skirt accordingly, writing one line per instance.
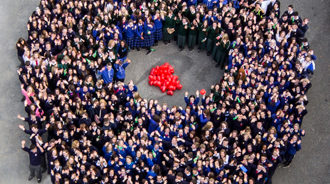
(158, 34)
(130, 42)
(138, 42)
(149, 40)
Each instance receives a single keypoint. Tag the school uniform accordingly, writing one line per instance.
(168, 24)
(211, 34)
(35, 162)
(107, 75)
(222, 53)
(202, 32)
(120, 71)
(149, 38)
(192, 35)
(129, 33)
(182, 34)
(138, 41)
(158, 29)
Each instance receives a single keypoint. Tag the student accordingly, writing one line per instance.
(120, 67)
(139, 35)
(123, 50)
(202, 33)
(35, 152)
(169, 27)
(107, 73)
(222, 51)
(158, 19)
(182, 33)
(129, 32)
(192, 35)
(211, 35)
(149, 38)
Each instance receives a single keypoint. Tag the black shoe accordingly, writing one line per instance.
(217, 65)
(149, 51)
(138, 49)
(30, 178)
(23, 98)
(39, 180)
(208, 53)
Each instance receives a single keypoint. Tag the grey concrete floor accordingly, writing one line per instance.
(195, 71)
(311, 165)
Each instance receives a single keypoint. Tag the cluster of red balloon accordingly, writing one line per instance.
(162, 77)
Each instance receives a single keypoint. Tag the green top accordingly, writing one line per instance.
(202, 31)
(182, 30)
(169, 22)
(211, 33)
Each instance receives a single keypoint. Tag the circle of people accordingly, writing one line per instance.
(100, 130)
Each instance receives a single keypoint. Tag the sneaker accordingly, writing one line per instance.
(149, 51)
(30, 178)
(39, 180)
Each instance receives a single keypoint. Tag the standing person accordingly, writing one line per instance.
(129, 33)
(149, 38)
(169, 27)
(20, 50)
(294, 145)
(122, 50)
(222, 51)
(211, 35)
(202, 33)
(138, 40)
(182, 33)
(158, 19)
(120, 67)
(35, 155)
(107, 73)
(192, 35)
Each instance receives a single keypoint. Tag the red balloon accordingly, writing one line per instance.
(170, 93)
(202, 91)
(151, 83)
(163, 89)
(159, 83)
(167, 83)
(166, 64)
(175, 77)
(171, 88)
(179, 86)
(177, 82)
(151, 77)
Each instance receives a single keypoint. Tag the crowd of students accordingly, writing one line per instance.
(87, 126)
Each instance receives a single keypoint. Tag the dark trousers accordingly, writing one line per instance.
(181, 41)
(191, 41)
(288, 159)
(35, 169)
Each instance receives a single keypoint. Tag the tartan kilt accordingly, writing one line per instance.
(138, 42)
(149, 40)
(130, 42)
(158, 34)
